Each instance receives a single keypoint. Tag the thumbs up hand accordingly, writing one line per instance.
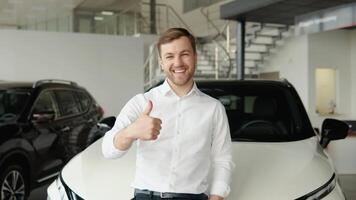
(145, 127)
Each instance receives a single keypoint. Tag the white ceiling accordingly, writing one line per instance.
(14, 13)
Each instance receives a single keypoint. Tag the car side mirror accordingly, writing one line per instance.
(43, 116)
(107, 121)
(333, 129)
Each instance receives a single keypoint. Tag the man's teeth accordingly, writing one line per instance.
(179, 71)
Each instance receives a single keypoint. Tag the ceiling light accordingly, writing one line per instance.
(98, 18)
(107, 13)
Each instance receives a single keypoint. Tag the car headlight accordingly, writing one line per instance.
(70, 194)
(322, 191)
(58, 190)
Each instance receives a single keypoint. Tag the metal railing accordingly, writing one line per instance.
(222, 36)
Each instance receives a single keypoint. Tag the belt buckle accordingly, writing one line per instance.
(165, 195)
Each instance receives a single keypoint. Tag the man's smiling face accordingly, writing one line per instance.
(178, 61)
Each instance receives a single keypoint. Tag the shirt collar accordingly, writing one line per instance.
(166, 89)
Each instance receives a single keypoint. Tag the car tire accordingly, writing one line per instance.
(13, 183)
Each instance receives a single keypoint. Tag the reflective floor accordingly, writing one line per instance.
(39, 193)
(348, 185)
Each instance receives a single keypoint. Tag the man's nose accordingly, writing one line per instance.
(178, 61)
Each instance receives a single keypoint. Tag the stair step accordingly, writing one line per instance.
(255, 52)
(253, 48)
(269, 31)
(254, 56)
(262, 44)
(203, 62)
(267, 40)
(255, 60)
(205, 68)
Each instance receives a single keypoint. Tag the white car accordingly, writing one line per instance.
(278, 154)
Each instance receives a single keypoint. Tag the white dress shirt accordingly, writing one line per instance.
(192, 154)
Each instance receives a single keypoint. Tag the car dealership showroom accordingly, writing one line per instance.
(277, 76)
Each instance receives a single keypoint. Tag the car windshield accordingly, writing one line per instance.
(262, 112)
(12, 102)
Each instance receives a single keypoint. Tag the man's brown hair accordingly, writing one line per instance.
(173, 34)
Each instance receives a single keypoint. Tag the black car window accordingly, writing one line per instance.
(84, 101)
(45, 104)
(67, 102)
(12, 102)
(262, 113)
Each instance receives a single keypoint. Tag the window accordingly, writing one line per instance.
(12, 102)
(44, 103)
(325, 82)
(231, 102)
(262, 112)
(84, 101)
(67, 102)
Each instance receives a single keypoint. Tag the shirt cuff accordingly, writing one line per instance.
(220, 188)
(108, 147)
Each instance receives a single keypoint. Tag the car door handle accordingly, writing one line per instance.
(65, 129)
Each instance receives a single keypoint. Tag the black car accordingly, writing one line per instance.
(42, 126)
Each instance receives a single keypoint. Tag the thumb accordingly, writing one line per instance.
(148, 108)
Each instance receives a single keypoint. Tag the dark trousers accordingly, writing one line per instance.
(153, 197)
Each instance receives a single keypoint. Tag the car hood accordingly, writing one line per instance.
(275, 171)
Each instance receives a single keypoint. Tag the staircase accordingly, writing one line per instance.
(217, 51)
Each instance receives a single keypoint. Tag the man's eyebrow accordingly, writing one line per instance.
(183, 51)
(186, 51)
(167, 54)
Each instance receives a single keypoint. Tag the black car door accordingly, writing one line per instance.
(44, 117)
(71, 120)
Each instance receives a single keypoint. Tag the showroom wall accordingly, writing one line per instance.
(110, 67)
(331, 49)
(353, 72)
(291, 60)
(301, 55)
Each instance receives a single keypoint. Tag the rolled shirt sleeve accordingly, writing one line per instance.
(130, 112)
(221, 154)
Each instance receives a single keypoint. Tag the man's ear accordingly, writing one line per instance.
(160, 62)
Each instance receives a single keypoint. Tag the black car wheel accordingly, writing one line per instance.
(13, 183)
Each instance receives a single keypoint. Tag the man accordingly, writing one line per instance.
(183, 138)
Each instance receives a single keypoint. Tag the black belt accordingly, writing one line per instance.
(170, 195)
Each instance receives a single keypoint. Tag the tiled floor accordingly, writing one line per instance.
(348, 185)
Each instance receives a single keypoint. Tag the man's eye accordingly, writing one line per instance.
(185, 54)
(169, 57)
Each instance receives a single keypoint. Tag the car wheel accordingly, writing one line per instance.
(13, 183)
